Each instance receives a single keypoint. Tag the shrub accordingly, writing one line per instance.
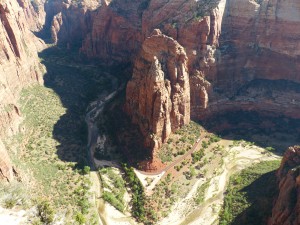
(84, 205)
(204, 144)
(86, 170)
(80, 218)
(10, 202)
(45, 212)
(270, 149)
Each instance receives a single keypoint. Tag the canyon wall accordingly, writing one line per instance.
(237, 52)
(286, 210)
(19, 67)
(241, 55)
(259, 41)
(68, 23)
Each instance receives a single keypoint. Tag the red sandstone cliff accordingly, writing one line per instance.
(228, 44)
(286, 210)
(158, 95)
(258, 41)
(116, 31)
(19, 66)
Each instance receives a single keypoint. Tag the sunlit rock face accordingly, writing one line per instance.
(234, 55)
(19, 67)
(286, 209)
(158, 95)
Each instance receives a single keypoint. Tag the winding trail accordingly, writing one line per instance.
(157, 175)
(177, 161)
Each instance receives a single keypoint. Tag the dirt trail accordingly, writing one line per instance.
(156, 176)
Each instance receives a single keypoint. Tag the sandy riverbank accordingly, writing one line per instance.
(238, 158)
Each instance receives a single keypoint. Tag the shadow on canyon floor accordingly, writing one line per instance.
(260, 195)
(273, 132)
(77, 84)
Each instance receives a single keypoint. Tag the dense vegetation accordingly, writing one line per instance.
(138, 196)
(250, 194)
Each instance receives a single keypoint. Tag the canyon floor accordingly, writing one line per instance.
(52, 156)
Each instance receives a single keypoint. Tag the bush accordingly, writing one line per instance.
(84, 205)
(45, 212)
(80, 218)
(204, 144)
(270, 149)
(10, 202)
(86, 170)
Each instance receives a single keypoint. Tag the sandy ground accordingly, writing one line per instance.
(238, 158)
(154, 180)
(115, 217)
(12, 217)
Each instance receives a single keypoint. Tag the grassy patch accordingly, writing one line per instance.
(249, 195)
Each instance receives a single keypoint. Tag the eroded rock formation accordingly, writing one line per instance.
(235, 50)
(158, 95)
(19, 66)
(286, 210)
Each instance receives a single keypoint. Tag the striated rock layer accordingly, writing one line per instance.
(231, 46)
(259, 40)
(157, 96)
(286, 210)
(19, 66)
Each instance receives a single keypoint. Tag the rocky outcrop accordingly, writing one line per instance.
(158, 95)
(230, 45)
(19, 66)
(116, 31)
(34, 13)
(6, 169)
(286, 210)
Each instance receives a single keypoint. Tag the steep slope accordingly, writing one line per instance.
(259, 40)
(19, 66)
(286, 209)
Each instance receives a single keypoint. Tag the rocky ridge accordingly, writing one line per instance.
(157, 96)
